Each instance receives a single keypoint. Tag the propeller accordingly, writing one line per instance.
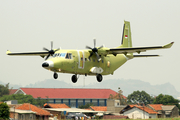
(95, 50)
(51, 52)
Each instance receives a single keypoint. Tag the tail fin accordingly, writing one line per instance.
(126, 36)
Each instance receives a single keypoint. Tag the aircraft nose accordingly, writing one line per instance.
(45, 64)
(48, 64)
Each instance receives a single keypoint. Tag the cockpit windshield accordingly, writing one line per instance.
(64, 55)
(59, 55)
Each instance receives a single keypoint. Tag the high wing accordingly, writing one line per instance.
(42, 54)
(125, 50)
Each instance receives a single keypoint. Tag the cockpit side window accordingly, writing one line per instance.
(69, 56)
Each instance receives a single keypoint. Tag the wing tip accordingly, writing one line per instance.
(7, 52)
(168, 45)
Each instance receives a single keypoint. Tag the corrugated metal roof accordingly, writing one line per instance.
(65, 93)
(167, 107)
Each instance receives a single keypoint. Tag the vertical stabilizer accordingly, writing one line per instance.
(126, 36)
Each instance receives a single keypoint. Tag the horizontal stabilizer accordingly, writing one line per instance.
(145, 55)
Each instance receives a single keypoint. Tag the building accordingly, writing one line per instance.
(17, 114)
(98, 108)
(114, 106)
(55, 106)
(165, 111)
(71, 97)
(41, 114)
(138, 112)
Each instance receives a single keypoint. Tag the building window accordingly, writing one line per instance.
(87, 101)
(80, 102)
(101, 102)
(50, 100)
(94, 102)
(73, 103)
(66, 101)
(58, 101)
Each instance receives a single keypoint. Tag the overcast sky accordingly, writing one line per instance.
(30, 25)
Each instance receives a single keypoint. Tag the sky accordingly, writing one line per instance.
(30, 25)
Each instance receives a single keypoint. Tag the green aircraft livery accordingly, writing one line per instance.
(95, 61)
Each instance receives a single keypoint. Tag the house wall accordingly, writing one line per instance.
(26, 117)
(136, 113)
(113, 107)
(175, 112)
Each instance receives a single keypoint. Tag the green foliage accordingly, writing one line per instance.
(166, 100)
(86, 105)
(4, 90)
(24, 99)
(4, 111)
(140, 97)
(119, 96)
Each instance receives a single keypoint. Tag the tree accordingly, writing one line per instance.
(86, 105)
(119, 96)
(24, 99)
(4, 111)
(4, 90)
(138, 97)
(166, 100)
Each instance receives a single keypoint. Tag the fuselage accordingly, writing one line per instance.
(78, 62)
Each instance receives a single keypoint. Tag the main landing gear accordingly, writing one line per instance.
(99, 77)
(55, 75)
(74, 78)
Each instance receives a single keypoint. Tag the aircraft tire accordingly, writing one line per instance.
(74, 78)
(99, 77)
(55, 75)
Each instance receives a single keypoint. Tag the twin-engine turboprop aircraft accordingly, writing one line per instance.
(95, 61)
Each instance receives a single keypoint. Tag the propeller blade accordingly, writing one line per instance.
(51, 45)
(56, 50)
(91, 55)
(101, 47)
(94, 43)
(97, 55)
(45, 49)
(88, 47)
(47, 56)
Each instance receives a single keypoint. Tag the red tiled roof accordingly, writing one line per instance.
(68, 93)
(39, 111)
(56, 106)
(146, 109)
(12, 91)
(156, 106)
(99, 108)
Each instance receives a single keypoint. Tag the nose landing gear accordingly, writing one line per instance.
(55, 75)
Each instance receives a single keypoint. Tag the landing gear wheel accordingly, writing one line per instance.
(74, 78)
(99, 77)
(55, 75)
